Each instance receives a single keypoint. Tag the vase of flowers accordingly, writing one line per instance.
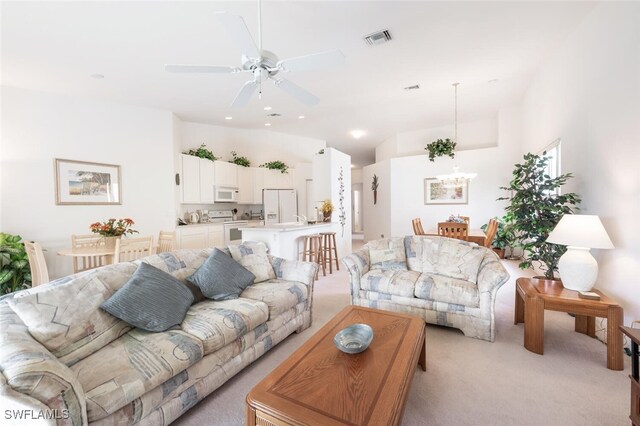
(327, 210)
(113, 229)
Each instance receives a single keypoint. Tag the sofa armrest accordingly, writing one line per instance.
(357, 263)
(492, 274)
(31, 373)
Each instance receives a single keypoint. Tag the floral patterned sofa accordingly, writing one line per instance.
(74, 361)
(445, 281)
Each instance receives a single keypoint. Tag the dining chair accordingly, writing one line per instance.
(166, 241)
(85, 263)
(459, 231)
(466, 219)
(128, 249)
(39, 271)
(417, 226)
(492, 229)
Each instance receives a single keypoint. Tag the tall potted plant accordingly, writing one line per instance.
(15, 273)
(536, 206)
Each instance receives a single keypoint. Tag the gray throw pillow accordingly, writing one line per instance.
(151, 300)
(221, 278)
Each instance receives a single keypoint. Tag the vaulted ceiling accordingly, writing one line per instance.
(57, 46)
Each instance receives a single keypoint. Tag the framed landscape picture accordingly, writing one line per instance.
(438, 192)
(81, 182)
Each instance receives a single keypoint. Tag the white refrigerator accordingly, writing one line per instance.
(280, 205)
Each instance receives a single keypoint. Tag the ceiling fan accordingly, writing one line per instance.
(262, 64)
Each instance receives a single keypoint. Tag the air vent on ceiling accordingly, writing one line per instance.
(377, 38)
(414, 87)
(274, 114)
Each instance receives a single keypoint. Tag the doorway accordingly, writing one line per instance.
(356, 208)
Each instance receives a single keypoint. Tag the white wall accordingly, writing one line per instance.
(588, 94)
(259, 146)
(471, 135)
(38, 127)
(403, 199)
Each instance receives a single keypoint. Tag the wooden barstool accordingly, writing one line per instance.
(329, 250)
(313, 252)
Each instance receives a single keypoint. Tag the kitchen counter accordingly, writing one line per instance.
(286, 227)
(285, 239)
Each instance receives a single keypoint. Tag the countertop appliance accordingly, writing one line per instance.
(280, 205)
(223, 194)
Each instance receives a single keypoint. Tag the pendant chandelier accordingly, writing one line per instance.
(456, 178)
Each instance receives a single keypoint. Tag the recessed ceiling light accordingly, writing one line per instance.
(267, 108)
(228, 118)
(301, 116)
(267, 124)
(357, 134)
(97, 76)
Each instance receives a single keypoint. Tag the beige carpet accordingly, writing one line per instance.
(468, 381)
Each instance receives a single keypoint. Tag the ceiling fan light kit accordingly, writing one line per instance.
(262, 64)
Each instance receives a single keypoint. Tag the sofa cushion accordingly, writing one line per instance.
(130, 366)
(400, 283)
(66, 318)
(279, 295)
(253, 256)
(218, 323)
(445, 289)
(458, 259)
(387, 254)
(151, 300)
(221, 278)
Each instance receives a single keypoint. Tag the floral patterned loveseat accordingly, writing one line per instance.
(445, 281)
(72, 363)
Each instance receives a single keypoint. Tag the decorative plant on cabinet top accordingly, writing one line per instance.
(536, 208)
(240, 161)
(202, 152)
(276, 165)
(374, 188)
(15, 273)
(440, 148)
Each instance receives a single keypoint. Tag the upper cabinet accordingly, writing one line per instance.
(245, 185)
(274, 179)
(207, 180)
(226, 174)
(190, 183)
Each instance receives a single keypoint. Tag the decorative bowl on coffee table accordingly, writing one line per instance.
(354, 339)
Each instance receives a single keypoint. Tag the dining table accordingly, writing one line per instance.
(90, 251)
(476, 235)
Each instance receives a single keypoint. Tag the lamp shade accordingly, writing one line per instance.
(580, 230)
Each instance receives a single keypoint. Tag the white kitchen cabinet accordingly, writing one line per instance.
(190, 182)
(275, 179)
(226, 174)
(285, 180)
(245, 185)
(193, 237)
(207, 180)
(200, 236)
(258, 184)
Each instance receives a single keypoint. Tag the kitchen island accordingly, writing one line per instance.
(285, 239)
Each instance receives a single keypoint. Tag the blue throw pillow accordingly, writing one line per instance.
(151, 300)
(221, 278)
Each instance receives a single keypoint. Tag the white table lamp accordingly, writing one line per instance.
(579, 232)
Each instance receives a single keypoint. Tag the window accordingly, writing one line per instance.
(552, 153)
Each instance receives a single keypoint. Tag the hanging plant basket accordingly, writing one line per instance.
(440, 148)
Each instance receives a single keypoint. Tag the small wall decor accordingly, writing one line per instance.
(343, 215)
(82, 182)
(438, 192)
(374, 188)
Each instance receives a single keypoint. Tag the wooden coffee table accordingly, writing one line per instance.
(533, 296)
(319, 385)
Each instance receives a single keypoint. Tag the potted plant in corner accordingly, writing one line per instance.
(15, 273)
(536, 206)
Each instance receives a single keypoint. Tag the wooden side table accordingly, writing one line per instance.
(534, 295)
(634, 335)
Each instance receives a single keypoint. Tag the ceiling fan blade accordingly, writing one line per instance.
(206, 69)
(242, 98)
(238, 31)
(315, 61)
(296, 91)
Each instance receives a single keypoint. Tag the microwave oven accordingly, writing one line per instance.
(223, 194)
